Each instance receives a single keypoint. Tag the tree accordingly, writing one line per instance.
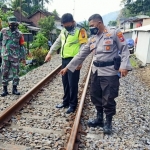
(112, 23)
(135, 7)
(85, 25)
(55, 12)
(28, 6)
(39, 41)
(3, 3)
(23, 28)
(47, 24)
(4, 17)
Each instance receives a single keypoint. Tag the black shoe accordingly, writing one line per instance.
(5, 92)
(108, 125)
(62, 106)
(70, 110)
(96, 122)
(15, 91)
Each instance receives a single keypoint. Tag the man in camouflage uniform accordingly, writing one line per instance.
(12, 52)
(0, 41)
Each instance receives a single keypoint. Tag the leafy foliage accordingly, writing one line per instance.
(47, 24)
(28, 6)
(4, 17)
(85, 25)
(23, 69)
(134, 8)
(39, 55)
(55, 12)
(112, 23)
(23, 28)
(40, 41)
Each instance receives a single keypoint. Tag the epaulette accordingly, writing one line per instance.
(93, 39)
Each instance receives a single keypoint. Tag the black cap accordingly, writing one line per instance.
(67, 18)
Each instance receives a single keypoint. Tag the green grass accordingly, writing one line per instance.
(25, 69)
(133, 62)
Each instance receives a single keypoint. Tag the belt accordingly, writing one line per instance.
(67, 58)
(103, 64)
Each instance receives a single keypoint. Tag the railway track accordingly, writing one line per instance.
(39, 125)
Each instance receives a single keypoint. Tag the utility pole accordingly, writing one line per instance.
(20, 11)
(73, 8)
(143, 7)
(42, 4)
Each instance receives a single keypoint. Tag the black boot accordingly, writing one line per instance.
(96, 122)
(108, 125)
(5, 92)
(14, 90)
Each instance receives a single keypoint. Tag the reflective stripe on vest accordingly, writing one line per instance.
(70, 44)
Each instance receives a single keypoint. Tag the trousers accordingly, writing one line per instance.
(5, 68)
(70, 85)
(103, 91)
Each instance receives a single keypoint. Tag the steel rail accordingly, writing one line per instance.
(71, 142)
(18, 104)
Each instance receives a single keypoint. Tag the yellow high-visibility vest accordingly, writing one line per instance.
(70, 43)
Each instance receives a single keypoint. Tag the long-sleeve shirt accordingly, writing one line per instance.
(105, 47)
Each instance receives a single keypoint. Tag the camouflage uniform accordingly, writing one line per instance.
(11, 53)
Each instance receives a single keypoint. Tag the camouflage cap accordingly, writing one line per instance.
(12, 19)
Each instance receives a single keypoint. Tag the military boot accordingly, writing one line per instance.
(5, 92)
(108, 125)
(15, 91)
(96, 122)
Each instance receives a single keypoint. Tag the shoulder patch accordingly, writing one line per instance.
(120, 36)
(82, 31)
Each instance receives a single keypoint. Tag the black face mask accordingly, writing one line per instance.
(94, 30)
(13, 27)
(69, 28)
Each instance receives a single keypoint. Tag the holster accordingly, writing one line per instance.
(117, 62)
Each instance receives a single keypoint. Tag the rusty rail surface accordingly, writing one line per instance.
(18, 104)
(71, 142)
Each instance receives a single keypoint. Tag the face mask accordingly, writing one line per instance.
(13, 27)
(94, 30)
(69, 28)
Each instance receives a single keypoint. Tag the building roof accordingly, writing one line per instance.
(143, 28)
(133, 19)
(46, 13)
(32, 28)
(20, 17)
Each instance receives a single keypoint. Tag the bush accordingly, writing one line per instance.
(39, 55)
(40, 41)
(23, 69)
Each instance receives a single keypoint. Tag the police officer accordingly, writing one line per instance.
(70, 40)
(12, 52)
(106, 62)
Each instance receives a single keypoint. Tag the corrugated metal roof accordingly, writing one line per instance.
(144, 28)
(33, 28)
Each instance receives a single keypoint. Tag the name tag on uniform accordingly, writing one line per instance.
(108, 42)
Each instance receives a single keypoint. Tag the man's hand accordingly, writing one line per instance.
(47, 58)
(63, 71)
(79, 67)
(123, 72)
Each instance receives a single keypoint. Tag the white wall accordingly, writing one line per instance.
(134, 35)
(142, 48)
(127, 25)
(148, 54)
